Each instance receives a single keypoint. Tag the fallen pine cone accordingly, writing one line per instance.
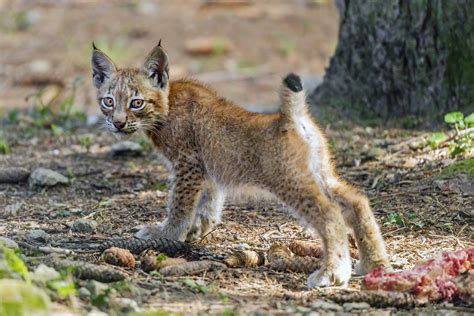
(119, 257)
(296, 264)
(88, 271)
(150, 261)
(245, 258)
(278, 251)
(304, 248)
(136, 245)
(192, 268)
(373, 298)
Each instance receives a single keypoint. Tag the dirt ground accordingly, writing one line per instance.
(421, 204)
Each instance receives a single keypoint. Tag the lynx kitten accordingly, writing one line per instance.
(213, 147)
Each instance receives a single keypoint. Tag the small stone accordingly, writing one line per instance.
(14, 175)
(39, 65)
(44, 274)
(38, 235)
(417, 144)
(12, 209)
(242, 246)
(375, 152)
(7, 242)
(326, 306)
(302, 309)
(84, 293)
(46, 178)
(355, 306)
(123, 305)
(97, 288)
(84, 226)
(126, 148)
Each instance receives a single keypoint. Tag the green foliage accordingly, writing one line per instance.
(64, 288)
(15, 263)
(161, 257)
(42, 116)
(228, 312)
(4, 147)
(460, 167)
(453, 117)
(85, 141)
(411, 121)
(462, 141)
(160, 186)
(18, 298)
(436, 139)
(402, 220)
(196, 286)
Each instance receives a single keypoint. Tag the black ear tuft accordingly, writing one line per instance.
(293, 82)
(102, 67)
(159, 43)
(93, 46)
(156, 67)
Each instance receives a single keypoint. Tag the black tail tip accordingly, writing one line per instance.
(293, 82)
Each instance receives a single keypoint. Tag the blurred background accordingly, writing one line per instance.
(242, 48)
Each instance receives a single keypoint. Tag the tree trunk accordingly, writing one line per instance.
(397, 58)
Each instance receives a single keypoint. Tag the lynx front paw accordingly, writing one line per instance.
(331, 277)
(149, 232)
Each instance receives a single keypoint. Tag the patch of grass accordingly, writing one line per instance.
(462, 141)
(160, 186)
(14, 263)
(409, 220)
(4, 147)
(196, 286)
(461, 167)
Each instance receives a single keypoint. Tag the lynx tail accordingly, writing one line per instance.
(292, 96)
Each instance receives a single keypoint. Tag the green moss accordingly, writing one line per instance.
(464, 166)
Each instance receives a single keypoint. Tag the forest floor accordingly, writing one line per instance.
(422, 206)
(422, 199)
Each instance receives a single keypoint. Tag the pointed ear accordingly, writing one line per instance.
(156, 67)
(102, 67)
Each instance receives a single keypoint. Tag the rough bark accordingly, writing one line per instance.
(400, 58)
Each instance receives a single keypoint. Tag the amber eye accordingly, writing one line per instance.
(136, 104)
(107, 102)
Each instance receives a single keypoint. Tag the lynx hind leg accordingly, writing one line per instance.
(318, 211)
(208, 212)
(358, 214)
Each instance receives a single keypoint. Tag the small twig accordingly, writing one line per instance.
(45, 249)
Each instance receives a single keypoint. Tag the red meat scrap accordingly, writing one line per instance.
(444, 277)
